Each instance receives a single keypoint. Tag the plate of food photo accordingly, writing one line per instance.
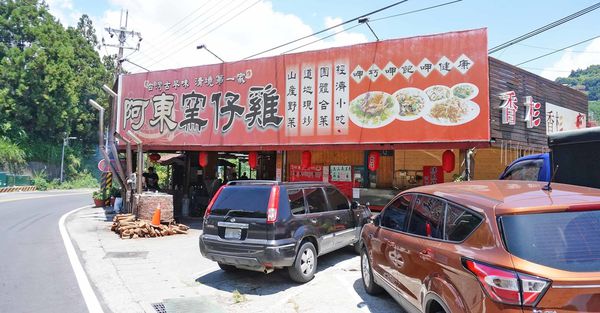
(373, 109)
(438, 92)
(466, 91)
(412, 103)
(452, 111)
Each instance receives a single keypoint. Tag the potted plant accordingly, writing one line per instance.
(99, 198)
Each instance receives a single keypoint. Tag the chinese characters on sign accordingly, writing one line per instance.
(433, 175)
(532, 110)
(509, 107)
(367, 93)
(312, 173)
(559, 119)
(340, 173)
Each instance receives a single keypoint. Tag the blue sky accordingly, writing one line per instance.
(171, 30)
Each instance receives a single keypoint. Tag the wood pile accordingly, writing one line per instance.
(128, 227)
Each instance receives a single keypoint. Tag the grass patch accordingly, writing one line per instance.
(238, 297)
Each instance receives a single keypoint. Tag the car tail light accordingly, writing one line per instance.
(273, 206)
(583, 207)
(212, 201)
(507, 286)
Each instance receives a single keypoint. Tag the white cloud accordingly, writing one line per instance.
(257, 29)
(64, 11)
(574, 60)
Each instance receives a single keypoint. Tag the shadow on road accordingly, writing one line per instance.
(379, 303)
(257, 283)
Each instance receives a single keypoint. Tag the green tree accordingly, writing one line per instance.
(11, 156)
(587, 80)
(47, 75)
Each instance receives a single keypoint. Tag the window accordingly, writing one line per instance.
(394, 215)
(296, 198)
(315, 200)
(427, 217)
(242, 201)
(460, 223)
(337, 201)
(568, 241)
(525, 170)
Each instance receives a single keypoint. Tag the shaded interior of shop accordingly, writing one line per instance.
(192, 185)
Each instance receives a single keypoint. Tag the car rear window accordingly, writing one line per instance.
(242, 201)
(568, 241)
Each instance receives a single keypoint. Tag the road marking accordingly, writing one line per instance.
(89, 296)
(44, 196)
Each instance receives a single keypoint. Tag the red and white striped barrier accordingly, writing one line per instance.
(17, 188)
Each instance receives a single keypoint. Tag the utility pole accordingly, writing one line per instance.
(123, 33)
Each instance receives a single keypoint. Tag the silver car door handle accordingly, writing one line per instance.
(313, 220)
(337, 218)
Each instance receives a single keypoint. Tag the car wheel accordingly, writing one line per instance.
(227, 267)
(367, 274)
(305, 265)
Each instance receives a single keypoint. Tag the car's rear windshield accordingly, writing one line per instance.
(568, 241)
(243, 201)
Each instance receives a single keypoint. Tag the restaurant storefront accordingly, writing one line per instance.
(371, 119)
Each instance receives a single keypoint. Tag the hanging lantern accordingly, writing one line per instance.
(373, 161)
(306, 159)
(448, 161)
(203, 158)
(252, 159)
(154, 157)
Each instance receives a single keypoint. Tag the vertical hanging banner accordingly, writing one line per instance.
(421, 89)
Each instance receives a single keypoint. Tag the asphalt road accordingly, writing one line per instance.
(35, 272)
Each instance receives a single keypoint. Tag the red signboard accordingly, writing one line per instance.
(421, 89)
(433, 175)
(311, 173)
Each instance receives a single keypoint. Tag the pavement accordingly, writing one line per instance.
(168, 274)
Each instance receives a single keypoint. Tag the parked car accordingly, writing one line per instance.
(267, 225)
(569, 161)
(487, 246)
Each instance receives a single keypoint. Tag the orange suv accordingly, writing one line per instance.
(487, 246)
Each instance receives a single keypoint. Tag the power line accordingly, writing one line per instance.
(544, 28)
(374, 20)
(194, 37)
(317, 40)
(158, 51)
(558, 50)
(415, 11)
(326, 29)
(552, 49)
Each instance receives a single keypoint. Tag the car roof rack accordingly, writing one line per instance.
(273, 182)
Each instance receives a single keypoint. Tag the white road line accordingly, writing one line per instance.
(89, 296)
(44, 196)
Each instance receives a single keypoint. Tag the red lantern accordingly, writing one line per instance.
(154, 157)
(306, 159)
(252, 159)
(448, 161)
(373, 159)
(203, 158)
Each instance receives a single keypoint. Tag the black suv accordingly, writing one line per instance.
(266, 225)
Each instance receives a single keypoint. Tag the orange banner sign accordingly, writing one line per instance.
(414, 90)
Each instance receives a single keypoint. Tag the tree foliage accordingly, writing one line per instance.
(588, 80)
(47, 75)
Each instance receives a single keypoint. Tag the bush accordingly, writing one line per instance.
(99, 195)
(39, 181)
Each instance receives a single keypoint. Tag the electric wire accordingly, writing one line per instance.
(544, 28)
(164, 51)
(195, 37)
(558, 50)
(415, 11)
(326, 29)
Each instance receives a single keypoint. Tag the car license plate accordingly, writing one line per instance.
(233, 233)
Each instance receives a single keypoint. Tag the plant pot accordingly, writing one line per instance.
(99, 203)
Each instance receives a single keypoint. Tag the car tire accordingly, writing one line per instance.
(227, 267)
(367, 274)
(305, 264)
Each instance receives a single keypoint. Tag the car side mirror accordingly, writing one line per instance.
(354, 205)
(376, 220)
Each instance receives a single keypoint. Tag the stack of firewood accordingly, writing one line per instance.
(128, 227)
